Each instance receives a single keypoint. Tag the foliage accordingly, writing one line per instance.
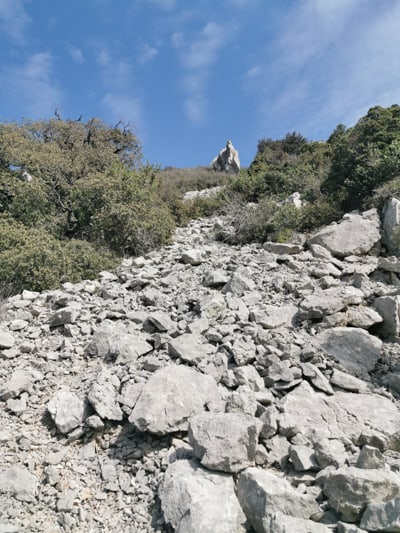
(33, 259)
(364, 157)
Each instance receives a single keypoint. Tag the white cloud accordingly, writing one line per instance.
(198, 56)
(203, 51)
(14, 20)
(330, 62)
(33, 86)
(147, 53)
(75, 53)
(121, 106)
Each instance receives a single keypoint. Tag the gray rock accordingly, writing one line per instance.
(198, 501)
(212, 307)
(161, 321)
(363, 317)
(239, 283)
(170, 397)
(350, 490)
(370, 457)
(282, 523)
(190, 348)
(379, 516)
(224, 441)
(192, 257)
(215, 278)
(354, 348)
(353, 235)
(389, 264)
(314, 374)
(330, 452)
(103, 395)
(329, 301)
(20, 381)
(348, 382)
(344, 415)
(391, 221)
(282, 248)
(303, 458)
(262, 493)
(20, 483)
(66, 315)
(67, 410)
(113, 341)
(227, 160)
(274, 316)
(7, 340)
(389, 308)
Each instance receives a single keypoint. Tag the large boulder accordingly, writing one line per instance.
(196, 500)
(262, 493)
(382, 516)
(351, 489)
(315, 415)
(354, 348)
(355, 234)
(227, 160)
(391, 224)
(224, 441)
(170, 397)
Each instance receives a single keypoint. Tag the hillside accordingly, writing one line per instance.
(207, 387)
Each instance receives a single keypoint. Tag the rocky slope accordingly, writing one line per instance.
(208, 388)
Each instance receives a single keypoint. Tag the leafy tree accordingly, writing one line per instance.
(364, 157)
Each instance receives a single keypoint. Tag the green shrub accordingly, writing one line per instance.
(33, 259)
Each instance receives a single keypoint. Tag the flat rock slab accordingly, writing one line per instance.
(19, 382)
(282, 523)
(262, 493)
(354, 348)
(7, 340)
(343, 415)
(110, 340)
(326, 302)
(19, 482)
(197, 500)
(350, 489)
(224, 441)
(353, 235)
(103, 395)
(191, 348)
(170, 397)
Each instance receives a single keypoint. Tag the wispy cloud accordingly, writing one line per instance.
(33, 86)
(198, 56)
(119, 98)
(147, 53)
(75, 53)
(14, 20)
(330, 62)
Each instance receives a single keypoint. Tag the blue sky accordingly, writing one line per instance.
(191, 74)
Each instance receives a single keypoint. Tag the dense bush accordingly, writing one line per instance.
(34, 259)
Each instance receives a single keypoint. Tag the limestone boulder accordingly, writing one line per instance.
(227, 160)
(103, 395)
(170, 397)
(391, 222)
(350, 489)
(315, 415)
(262, 493)
(354, 348)
(382, 516)
(355, 234)
(389, 308)
(329, 301)
(282, 523)
(19, 482)
(224, 441)
(67, 410)
(190, 348)
(197, 500)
